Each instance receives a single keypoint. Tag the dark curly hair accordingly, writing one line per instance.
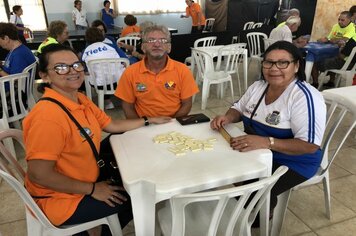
(9, 30)
(293, 51)
(93, 35)
(97, 23)
(130, 20)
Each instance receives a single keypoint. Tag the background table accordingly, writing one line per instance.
(317, 52)
(151, 173)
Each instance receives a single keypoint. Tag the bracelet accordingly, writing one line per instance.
(271, 142)
(92, 190)
(147, 123)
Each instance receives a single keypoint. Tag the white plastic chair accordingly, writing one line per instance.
(37, 222)
(341, 111)
(109, 72)
(202, 42)
(229, 58)
(209, 76)
(31, 101)
(130, 40)
(209, 25)
(11, 89)
(257, 25)
(343, 72)
(216, 212)
(248, 25)
(254, 43)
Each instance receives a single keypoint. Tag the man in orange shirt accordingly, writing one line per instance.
(156, 84)
(198, 19)
(131, 27)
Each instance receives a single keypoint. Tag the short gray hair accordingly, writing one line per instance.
(155, 27)
(293, 20)
(294, 12)
(145, 25)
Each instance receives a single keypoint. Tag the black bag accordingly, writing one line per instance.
(105, 160)
(193, 119)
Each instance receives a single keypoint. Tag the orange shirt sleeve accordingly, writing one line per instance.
(189, 87)
(125, 89)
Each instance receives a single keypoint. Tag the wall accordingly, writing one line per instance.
(326, 15)
(63, 11)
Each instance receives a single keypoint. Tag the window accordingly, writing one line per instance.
(33, 13)
(154, 6)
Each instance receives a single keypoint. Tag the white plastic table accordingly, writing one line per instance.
(151, 173)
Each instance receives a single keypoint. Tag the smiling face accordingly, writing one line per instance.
(64, 84)
(280, 77)
(156, 50)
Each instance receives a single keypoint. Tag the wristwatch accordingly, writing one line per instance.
(147, 123)
(271, 142)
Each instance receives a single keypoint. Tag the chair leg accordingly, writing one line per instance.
(279, 213)
(101, 99)
(232, 92)
(326, 185)
(114, 225)
(204, 94)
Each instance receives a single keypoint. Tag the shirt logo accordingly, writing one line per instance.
(170, 85)
(141, 87)
(87, 130)
(273, 118)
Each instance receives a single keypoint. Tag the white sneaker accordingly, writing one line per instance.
(108, 105)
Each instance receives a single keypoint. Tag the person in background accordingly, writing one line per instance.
(62, 173)
(57, 32)
(131, 26)
(285, 31)
(102, 27)
(342, 31)
(283, 113)
(334, 63)
(198, 19)
(156, 85)
(291, 12)
(19, 56)
(108, 15)
(353, 14)
(97, 49)
(15, 18)
(79, 16)
(137, 52)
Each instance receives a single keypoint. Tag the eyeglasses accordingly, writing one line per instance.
(63, 69)
(161, 41)
(279, 64)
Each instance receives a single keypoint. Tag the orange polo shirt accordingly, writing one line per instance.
(156, 94)
(49, 134)
(129, 30)
(193, 11)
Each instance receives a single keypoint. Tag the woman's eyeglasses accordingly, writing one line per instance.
(279, 64)
(63, 69)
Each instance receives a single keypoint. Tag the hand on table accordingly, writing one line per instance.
(109, 193)
(219, 121)
(159, 119)
(248, 142)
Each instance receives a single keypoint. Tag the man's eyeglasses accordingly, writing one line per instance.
(279, 64)
(63, 69)
(162, 41)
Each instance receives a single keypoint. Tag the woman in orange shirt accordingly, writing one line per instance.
(131, 27)
(198, 19)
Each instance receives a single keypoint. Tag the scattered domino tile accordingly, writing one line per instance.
(184, 143)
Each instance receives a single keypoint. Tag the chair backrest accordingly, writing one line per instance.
(205, 42)
(12, 96)
(341, 114)
(104, 73)
(203, 61)
(130, 40)
(257, 25)
(255, 41)
(349, 60)
(248, 25)
(241, 213)
(229, 57)
(267, 42)
(209, 25)
(134, 34)
(31, 69)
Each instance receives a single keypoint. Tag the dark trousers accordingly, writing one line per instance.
(195, 29)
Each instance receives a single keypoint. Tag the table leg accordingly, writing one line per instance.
(308, 69)
(143, 207)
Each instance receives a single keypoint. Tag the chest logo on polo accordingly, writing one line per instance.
(273, 118)
(170, 85)
(141, 87)
(87, 130)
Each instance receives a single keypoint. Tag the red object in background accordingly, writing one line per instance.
(354, 81)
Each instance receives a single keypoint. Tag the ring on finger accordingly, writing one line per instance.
(112, 198)
(246, 144)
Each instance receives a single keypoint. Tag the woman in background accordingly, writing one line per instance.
(57, 32)
(108, 15)
(15, 18)
(131, 27)
(198, 19)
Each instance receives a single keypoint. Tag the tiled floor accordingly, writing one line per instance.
(306, 211)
